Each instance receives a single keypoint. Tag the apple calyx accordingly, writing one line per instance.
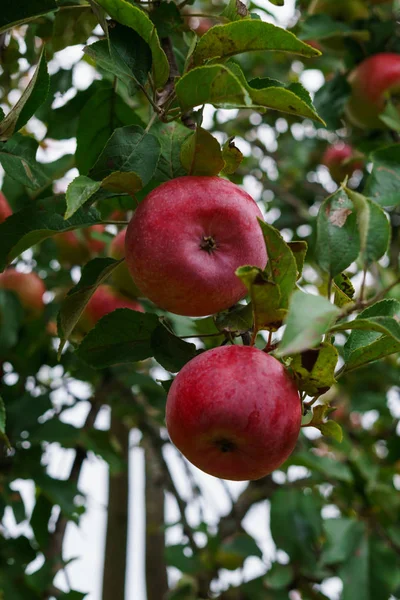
(208, 244)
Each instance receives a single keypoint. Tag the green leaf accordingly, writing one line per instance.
(16, 13)
(373, 225)
(78, 193)
(92, 135)
(322, 27)
(11, 316)
(171, 136)
(299, 251)
(279, 576)
(308, 319)
(327, 467)
(123, 336)
(331, 429)
(18, 157)
(386, 325)
(240, 545)
(235, 10)
(270, 93)
(170, 351)
(364, 346)
(201, 154)
(390, 117)
(167, 18)
(383, 184)
(129, 149)
(237, 320)
(122, 182)
(338, 238)
(341, 538)
(130, 50)
(344, 290)
(296, 524)
(39, 520)
(314, 369)
(131, 16)
(72, 26)
(32, 97)
(247, 35)
(277, 2)
(37, 222)
(93, 274)
(281, 265)
(331, 99)
(232, 157)
(266, 298)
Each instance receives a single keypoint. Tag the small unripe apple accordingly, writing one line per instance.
(28, 287)
(121, 276)
(187, 238)
(234, 412)
(341, 161)
(104, 300)
(5, 209)
(372, 82)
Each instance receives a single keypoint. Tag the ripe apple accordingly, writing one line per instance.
(341, 161)
(234, 412)
(5, 210)
(187, 238)
(28, 287)
(341, 10)
(372, 82)
(104, 300)
(121, 277)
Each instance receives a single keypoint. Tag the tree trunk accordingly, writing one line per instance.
(117, 522)
(156, 568)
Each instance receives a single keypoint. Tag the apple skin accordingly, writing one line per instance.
(95, 246)
(71, 249)
(371, 81)
(121, 276)
(28, 287)
(187, 238)
(337, 158)
(105, 300)
(234, 412)
(5, 209)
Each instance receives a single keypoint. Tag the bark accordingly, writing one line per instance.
(117, 522)
(156, 568)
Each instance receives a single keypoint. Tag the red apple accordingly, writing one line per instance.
(187, 238)
(341, 161)
(28, 287)
(372, 82)
(121, 277)
(105, 300)
(234, 412)
(5, 210)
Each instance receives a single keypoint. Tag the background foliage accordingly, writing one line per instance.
(144, 84)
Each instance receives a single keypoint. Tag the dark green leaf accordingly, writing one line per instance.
(92, 135)
(78, 193)
(123, 336)
(171, 137)
(18, 157)
(32, 97)
(16, 13)
(37, 222)
(72, 26)
(235, 10)
(383, 184)
(341, 539)
(131, 16)
(129, 149)
(170, 351)
(279, 576)
(299, 250)
(331, 99)
(93, 274)
(11, 316)
(314, 369)
(266, 299)
(338, 238)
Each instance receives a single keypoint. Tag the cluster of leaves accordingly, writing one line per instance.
(148, 59)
